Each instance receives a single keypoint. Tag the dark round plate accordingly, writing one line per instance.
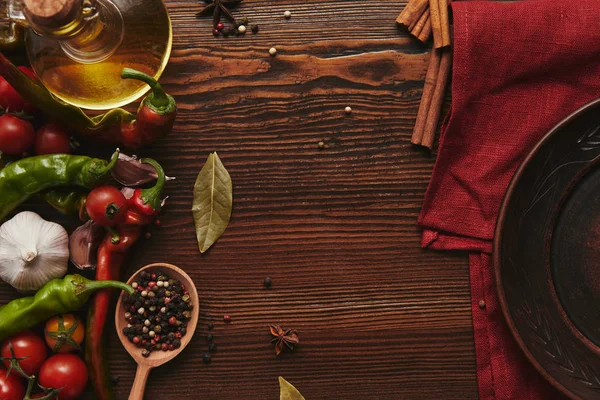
(547, 255)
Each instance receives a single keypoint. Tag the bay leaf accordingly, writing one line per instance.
(287, 391)
(213, 199)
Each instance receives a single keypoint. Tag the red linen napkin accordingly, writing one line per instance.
(519, 68)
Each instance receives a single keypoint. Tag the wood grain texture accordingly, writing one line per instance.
(335, 228)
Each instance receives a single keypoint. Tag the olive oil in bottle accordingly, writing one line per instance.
(78, 48)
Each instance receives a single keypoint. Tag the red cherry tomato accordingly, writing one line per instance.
(11, 387)
(52, 139)
(66, 371)
(106, 206)
(11, 99)
(16, 135)
(26, 345)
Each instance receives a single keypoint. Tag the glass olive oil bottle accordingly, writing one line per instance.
(78, 48)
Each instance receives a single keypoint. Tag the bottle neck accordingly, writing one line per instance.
(99, 36)
(88, 31)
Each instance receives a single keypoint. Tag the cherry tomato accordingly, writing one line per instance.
(11, 99)
(106, 206)
(52, 139)
(11, 387)
(16, 135)
(26, 345)
(66, 371)
(64, 333)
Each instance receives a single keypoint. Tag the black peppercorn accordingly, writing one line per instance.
(207, 358)
(212, 348)
(146, 353)
(209, 337)
(210, 325)
(255, 29)
(267, 282)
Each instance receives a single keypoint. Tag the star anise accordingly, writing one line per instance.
(287, 337)
(218, 8)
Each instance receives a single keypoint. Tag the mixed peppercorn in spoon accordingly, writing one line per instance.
(158, 313)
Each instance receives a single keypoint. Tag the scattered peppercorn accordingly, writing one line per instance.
(321, 145)
(209, 337)
(216, 32)
(147, 235)
(273, 51)
(267, 282)
(220, 26)
(254, 29)
(157, 318)
(210, 325)
(348, 110)
(207, 358)
(287, 15)
(157, 222)
(226, 318)
(242, 29)
(212, 348)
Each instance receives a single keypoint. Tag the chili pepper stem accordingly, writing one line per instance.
(113, 161)
(116, 238)
(158, 100)
(152, 195)
(96, 285)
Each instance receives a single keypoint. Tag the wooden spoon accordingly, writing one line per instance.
(156, 358)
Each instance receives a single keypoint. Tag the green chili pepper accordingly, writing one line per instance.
(58, 296)
(31, 175)
(67, 200)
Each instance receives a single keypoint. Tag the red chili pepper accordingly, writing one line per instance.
(110, 259)
(154, 120)
(148, 201)
(155, 116)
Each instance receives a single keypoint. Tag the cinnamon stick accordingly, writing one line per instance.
(426, 32)
(427, 96)
(420, 24)
(435, 108)
(412, 12)
(436, 27)
(444, 22)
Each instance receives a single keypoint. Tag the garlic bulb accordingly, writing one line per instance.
(32, 251)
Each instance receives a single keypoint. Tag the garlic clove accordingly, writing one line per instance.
(130, 171)
(83, 245)
(32, 251)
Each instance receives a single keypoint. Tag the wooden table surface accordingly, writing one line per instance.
(335, 228)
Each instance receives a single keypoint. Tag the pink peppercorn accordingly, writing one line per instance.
(171, 347)
(226, 318)
(136, 339)
(172, 321)
(165, 347)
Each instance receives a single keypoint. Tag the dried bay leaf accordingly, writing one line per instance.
(213, 200)
(287, 391)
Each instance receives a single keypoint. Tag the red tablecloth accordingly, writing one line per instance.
(519, 68)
